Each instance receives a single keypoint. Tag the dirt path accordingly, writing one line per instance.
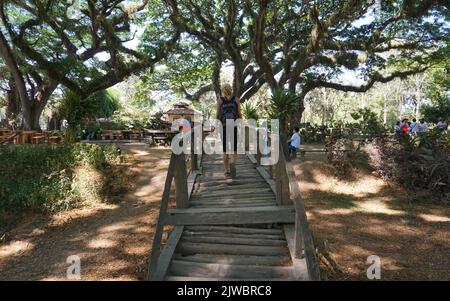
(113, 240)
(354, 219)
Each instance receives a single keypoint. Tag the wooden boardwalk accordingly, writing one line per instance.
(230, 229)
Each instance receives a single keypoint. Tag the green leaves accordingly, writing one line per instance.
(283, 106)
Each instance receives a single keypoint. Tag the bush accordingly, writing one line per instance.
(416, 163)
(50, 177)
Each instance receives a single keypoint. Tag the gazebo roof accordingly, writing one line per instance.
(182, 108)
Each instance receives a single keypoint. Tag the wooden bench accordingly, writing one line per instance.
(158, 139)
(54, 139)
(303, 151)
(38, 139)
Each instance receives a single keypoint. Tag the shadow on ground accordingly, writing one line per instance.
(113, 240)
(353, 220)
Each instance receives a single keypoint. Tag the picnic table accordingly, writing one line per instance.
(131, 134)
(24, 137)
(159, 136)
(4, 132)
(112, 134)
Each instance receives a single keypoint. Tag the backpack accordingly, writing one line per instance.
(228, 109)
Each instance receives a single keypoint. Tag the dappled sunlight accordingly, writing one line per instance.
(434, 218)
(335, 211)
(352, 220)
(15, 248)
(101, 243)
(113, 240)
(377, 207)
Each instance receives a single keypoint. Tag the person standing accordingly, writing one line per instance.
(413, 127)
(405, 127)
(228, 108)
(397, 129)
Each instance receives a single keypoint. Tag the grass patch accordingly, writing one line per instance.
(336, 200)
(55, 177)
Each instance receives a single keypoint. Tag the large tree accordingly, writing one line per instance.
(86, 54)
(303, 45)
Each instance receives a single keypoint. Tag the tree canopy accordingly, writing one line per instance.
(182, 45)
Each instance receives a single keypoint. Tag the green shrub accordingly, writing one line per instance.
(47, 177)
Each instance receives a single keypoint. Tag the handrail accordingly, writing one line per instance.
(303, 237)
(184, 179)
(162, 211)
(284, 174)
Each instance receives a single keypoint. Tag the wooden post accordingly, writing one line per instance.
(247, 138)
(298, 238)
(194, 157)
(258, 150)
(181, 189)
(282, 179)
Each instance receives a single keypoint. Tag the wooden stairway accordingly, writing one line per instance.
(229, 229)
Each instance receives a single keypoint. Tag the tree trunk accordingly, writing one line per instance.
(13, 101)
(31, 116)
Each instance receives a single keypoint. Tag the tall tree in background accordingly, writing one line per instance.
(303, 45)
(86, 54)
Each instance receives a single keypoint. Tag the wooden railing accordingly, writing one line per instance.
(184, 179)
(287, 192)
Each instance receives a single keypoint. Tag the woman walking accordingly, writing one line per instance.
(228, 107)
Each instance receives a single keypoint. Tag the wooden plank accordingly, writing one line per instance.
(191, 181)
(209, 200)
(228, 234)
(230, 192)
(225, 186)
(237, 230)
(205, 182)
(188, 248)
(236, 205)
(263, 172)
(197, 269)
(236, 259)
(235, 197)
(230, 216)
(252, 158)
(167, 253)
(236, 241)
(299, 264)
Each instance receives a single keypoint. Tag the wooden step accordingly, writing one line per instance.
(228, 234)
(235, 241)
(237, 205)
(237, 230)
(227, 201)
(234, 197)
(231, 192)
(188, 248)
(230, 216)
(255, 185)
(196, 269)
(236, 259)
